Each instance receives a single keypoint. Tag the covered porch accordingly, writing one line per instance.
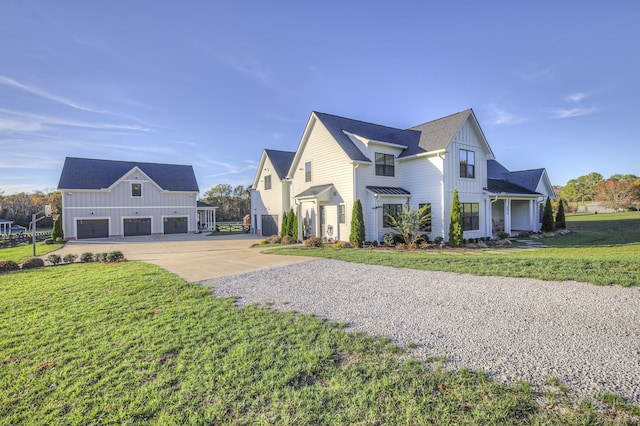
(206, 216)
(512, 215)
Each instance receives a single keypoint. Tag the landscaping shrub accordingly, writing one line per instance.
(455, 227)
(401, 246)
(561, 222)
(54, 259)
(57, 233)
(313, 242)
(49, 241)
(438, 240)
(100, 257)
(340, 245)
(502, 235)
(34, 262)
(392, 238)
(274, 239)
(70, 258)
(287, 239)
(421, 238)
(114, 256)
(8, 265)
(548, 224)
(284, 227)
(358, 234)
(86, 257)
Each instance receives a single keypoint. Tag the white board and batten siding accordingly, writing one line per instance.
(117, 203)
(470, 190)
(269, 202)
(329, 165)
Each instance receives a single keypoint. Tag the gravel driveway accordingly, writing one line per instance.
(512, 328)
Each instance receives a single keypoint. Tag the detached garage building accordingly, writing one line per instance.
(104, 198)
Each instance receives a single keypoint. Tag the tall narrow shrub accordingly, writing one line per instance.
(290, 222)
(561, 222)
(547, 217)
(456, 232)
(285, 224)
(57, 229)
(357, 225)
(295, 227)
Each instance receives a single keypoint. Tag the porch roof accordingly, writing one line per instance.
(388, 190)
(499, 186)
(315, 191)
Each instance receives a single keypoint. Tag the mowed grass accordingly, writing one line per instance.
(130, 343)
(603, 249)
(23, 252)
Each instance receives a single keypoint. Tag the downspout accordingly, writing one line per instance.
(443, 234)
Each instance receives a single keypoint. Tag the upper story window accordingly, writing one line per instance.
(467, 164)
(136, 190)
(384, 164)
(267, 182)
(307, 171)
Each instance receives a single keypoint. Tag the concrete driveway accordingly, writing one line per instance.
(194, 257)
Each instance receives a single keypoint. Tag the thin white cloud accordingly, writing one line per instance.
(576, 97)
(500, 116)
(36, 122)
(6, 81)
(538, 74)
(45, 94)
(571, 112)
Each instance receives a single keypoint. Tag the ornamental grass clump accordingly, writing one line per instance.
(313, 242)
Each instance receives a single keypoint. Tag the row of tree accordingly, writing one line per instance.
(233, 203)
(19, 207)
(617, 192)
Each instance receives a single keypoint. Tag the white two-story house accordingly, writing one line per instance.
(339, 160)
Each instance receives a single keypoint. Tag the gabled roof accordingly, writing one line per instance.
(94, 174)
(498, 186)
(281, 161)
(314, 191)
(436, 134)
(338, 125)
(527, 179)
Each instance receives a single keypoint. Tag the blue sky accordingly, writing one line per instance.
(211, 84)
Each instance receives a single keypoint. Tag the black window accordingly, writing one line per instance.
(467, 164)
(426, 227)
(136, 190)
(384, 164)
(307, 172)
(470, 216)
(341, 214)
(390, 210)
(267, 182)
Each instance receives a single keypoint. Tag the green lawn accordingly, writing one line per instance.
(132, 343)
(21, 253)
(602, 249)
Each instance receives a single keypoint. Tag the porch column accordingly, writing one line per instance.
(507, 216)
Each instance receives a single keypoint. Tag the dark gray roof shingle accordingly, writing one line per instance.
(337, 125)
(437, 134)
(498, 186)
(86, 173)
(281, 161)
